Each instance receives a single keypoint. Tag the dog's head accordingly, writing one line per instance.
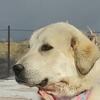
(59, 55)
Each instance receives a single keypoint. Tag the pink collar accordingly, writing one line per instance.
(83, 96)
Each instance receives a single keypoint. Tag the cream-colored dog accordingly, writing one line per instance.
(61, 61)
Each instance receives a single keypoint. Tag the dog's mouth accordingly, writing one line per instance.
(59, 91)
(47, 93)
(55, 91)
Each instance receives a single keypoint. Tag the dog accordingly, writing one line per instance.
(62, 62)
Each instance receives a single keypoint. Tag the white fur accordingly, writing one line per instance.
(63, 62)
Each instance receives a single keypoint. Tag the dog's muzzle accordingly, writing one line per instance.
(19, 71)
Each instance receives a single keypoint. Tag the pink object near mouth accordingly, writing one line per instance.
(47, 96)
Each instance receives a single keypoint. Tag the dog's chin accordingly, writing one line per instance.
(56, 91)
(26, 84)
(23, 82)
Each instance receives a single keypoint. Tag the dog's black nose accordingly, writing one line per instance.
(43, 82)
(18, 68)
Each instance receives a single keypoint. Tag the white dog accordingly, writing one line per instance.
(62, 62)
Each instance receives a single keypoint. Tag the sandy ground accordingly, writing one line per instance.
(10, 90)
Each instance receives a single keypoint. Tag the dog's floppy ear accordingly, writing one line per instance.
(85, 52)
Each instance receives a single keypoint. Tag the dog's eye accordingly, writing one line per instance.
(46, 47)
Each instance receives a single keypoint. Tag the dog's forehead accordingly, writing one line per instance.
(45, 33)
(53, 39)
(54, 32)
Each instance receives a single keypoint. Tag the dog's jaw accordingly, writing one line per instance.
(59, 91)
